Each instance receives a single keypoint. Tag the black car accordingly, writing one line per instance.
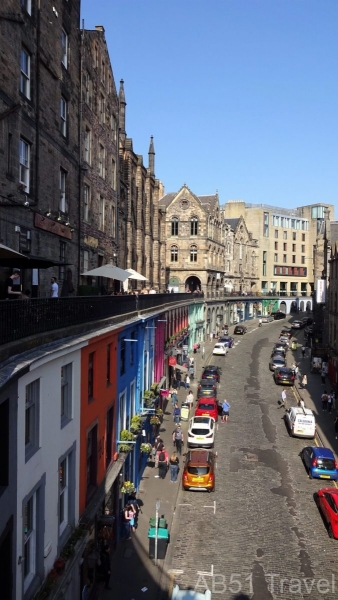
(206, 392)
(278, 315)
(212, 372)
(284, 376)
(240, 330)
(206, 383)
(286, 331)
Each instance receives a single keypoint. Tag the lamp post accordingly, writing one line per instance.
(158, 504)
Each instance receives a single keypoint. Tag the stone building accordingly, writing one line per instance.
(139, 217)
(39, 140)
(287, 239)
(241, 256)
(99, 157)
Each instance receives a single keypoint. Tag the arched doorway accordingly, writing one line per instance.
(293, 306)
(301, 306)
(308, 306)
(193, 283)
(282, 307)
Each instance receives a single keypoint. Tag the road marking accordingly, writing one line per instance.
(185, 505)
(205, 573)
(211, 506)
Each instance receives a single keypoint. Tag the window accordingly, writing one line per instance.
(66, 393)
(87, 146)
(123, 357)
(293, 258)
(85, 261)
(275, 258)
(132, 349)
(102, 158)
(193, 226)
(4, 444)
(266, 225)
(265, 254)
(63, 201)
(88, 86)
(64, 48)
(193, 254)
(285, 235)
(303, 237)
(303, 248)
(174, 254)
(276, 245)
(294, 236)
(276, 233)
(63, 495)
(285, 247)
(113, 127)
(102, 109)
(113, 221)
(96, 57)
(284, 258)
(25, 66)
(293, 223)
(113, 174)
(62, 257)
(63, 115)
(29, 553)
(174, 226)
(101, 213)
(86, 197)
(240, 250)
(109, 435)
(32, 403)
(303, 260)
(103, 73)
(27, 5)
(24, 164)
(91, 376)
(108, 363)
(91, 462)
(293, 247)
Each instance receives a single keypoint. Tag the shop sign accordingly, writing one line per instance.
(172, 361)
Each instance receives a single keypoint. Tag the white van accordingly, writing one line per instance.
(301, 422)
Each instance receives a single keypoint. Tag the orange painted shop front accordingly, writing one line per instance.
(98, 413)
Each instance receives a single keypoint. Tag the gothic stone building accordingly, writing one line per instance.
(241, 257)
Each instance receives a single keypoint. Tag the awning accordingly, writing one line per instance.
(30, 262)
(109, 271)
(6, 252)
(136, 275)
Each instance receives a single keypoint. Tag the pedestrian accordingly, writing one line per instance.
(105, 566)
(304, 382)
(174, 467)
(336, 427)
(301, 403)
(333, 396)
(178, 378)
(158, 444)
(54, 288)
(329, 403)
(296, 371)
(283, 402)
(86, 591)
(325, 399)
(174, 382)
(177, 414)
(225, 411)
(303, 351)
(12, 286)
(178, 439)
(203, 351)
(323, 376)
(132, 500)
(190, 399)
(173, 397)
(187, 382)
(163, 461)
(126, 522)
(211, 336)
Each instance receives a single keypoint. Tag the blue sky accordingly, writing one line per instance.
(241, 96)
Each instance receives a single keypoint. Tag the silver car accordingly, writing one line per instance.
(276, 361)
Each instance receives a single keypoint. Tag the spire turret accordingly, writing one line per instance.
(122, 111)
(151, 157)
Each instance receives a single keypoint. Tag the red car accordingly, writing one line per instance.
(327, 500)
(207, 407)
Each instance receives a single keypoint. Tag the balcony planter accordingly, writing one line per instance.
(146, 448)
(126, 436)
(128, 487)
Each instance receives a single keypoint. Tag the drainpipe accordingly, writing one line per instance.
(37, 110)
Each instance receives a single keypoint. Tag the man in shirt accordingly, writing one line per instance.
(283, 399)
(54, 288)
(12, 286)
(225, 411)
(190, 398)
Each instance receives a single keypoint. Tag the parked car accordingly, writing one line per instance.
(278, 315)
(240, 330)
(284, 376)
(227, 340)
(201, 432)
(276, 361)
(297, 324)
(300, 422)
(286, 331)
(281, 346)
(207, 384)
(220, 349)
(327, 501)
(278, 352)
(199, 470)
(320, 462)
(212, 372)
(206, 393)
(207, 407)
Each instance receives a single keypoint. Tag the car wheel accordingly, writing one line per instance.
(310, 474)
(330, 531)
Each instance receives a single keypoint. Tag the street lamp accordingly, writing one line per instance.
(158, 504)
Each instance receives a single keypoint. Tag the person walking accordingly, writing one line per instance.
(336, 427)
(225, 411)
(301, 403)
(12, 286)
(303, 351)
(190, 399)
(283, 402)
(174, 383)
(187, 381)
(173, 397)
(178, 439)
(178, 378)
(177, 414)
(174, 462)
(54, 288)
(163, 461)
(304, 382)
(325, 400)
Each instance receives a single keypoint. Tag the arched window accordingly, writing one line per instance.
(194, 226)
(193, 253)
(174, 254)
(174, 226)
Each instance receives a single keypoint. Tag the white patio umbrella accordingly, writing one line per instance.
(109, 271)
(136, 275)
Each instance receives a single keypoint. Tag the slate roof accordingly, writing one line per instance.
(165, 201)
(233, 223)
(210, 200)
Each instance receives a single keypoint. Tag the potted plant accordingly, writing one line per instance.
(126, 436)
(136, 424)
(155, 420)
(127, 487)
(146, 448)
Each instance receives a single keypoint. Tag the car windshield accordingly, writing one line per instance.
(327, 464)
(285, 371)
(199, 431)
(198, 470)
(205, 406)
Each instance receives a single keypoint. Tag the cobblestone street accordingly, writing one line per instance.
(260, 534)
